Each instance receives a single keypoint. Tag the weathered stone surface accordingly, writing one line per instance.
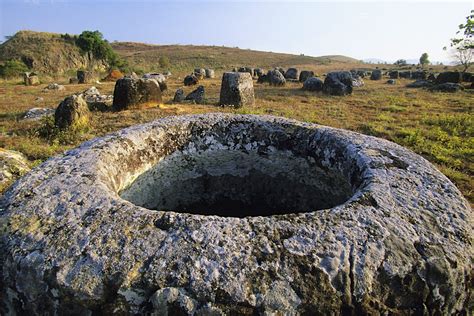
(84, 76)
(237, 89)
(419, 75)
(258, 72)
(210, 73)
(131, 92)
(313, 84)
(447, 87)
(179, 95)
(376, 74)
(190, 80)
(305, 74)
(160, 78)
(338, 83)
(197, 96)
(394, 74)
(13, 165)
(250, 70)
(449, 76)
(31, 79)
(420, 84)
(120, 224)
(97, 101)
(72, 113)
(292, 73)
(53, 87)
(35, 114)
(200, 73)
(357, 81)
(405, 74)
(276, 78)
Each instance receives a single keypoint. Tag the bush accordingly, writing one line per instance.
(12, 68)
(164, 62)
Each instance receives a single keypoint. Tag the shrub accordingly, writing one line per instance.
(12, 68)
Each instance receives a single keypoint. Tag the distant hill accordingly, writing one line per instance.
(186, 57)
(47, 52)
(57, 54)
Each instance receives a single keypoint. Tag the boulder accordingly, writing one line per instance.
(338, 83)
(357, 81)
(446, 87)
(200, 73)
(179, 96)
(394, 74)
(197, 96)
(263, 78)
(276, 78)
(360, 73)
(305, 74)
(258, 72)
(405, 74)
(210, 73)
(190, 80)
(449, 76)
(36, 114)
(420, 84)
(129, 93)
(236, 214)
(13, 165)
(72, 113)
(313, 84)
(391, 81)
(84, 76)
(96, 101)
(419, 75)
(376, 74)
(54, 87)
(31, 79)
(250, 70)
(160, 78)
(73, 81)
(292, 73)
(237, 89)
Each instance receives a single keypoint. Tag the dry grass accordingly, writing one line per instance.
(439, 126)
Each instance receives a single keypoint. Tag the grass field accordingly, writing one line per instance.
(439, 126)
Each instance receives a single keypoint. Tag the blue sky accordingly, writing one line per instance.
(369, 29)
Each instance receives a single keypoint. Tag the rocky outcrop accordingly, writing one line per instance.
(72, 113)
(235, 215)
(130, 93)
(338, 83)
(237, 89)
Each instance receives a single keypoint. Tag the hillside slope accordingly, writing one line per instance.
(57, 54)
(47, 53)
(185, 57)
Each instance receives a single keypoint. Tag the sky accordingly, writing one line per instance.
(386, 30)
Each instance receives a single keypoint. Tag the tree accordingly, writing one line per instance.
(464, 46)
(424, 59)
(401, 62)
(93, 43)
